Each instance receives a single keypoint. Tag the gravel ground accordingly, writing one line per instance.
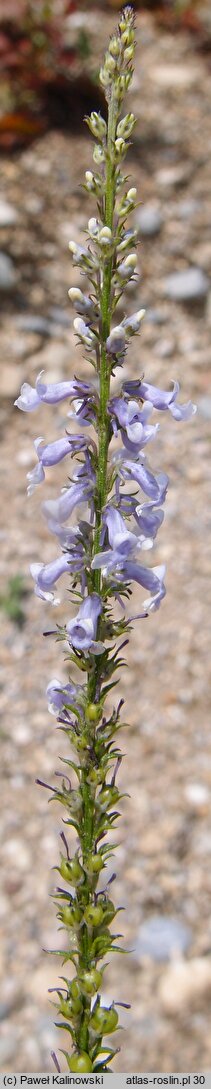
(164, 877)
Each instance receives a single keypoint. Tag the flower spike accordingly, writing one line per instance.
(118, 501)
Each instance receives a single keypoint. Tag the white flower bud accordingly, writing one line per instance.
(82, 303)
(104, 77)
(131, 260)
(93, 227)
(132, 324)
(73, 247)
(131, 195)
(80, 255)
(89, 180)
(98, 154)
(86, 336)
(116, 341)
(128, 237)
(126, 269)
(120, 146)
(126, 125)
(97, 125)
(105, 236)
(110, 64)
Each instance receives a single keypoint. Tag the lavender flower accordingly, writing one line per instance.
(46, 575)
(82, 630)
(132, 422)
(48, 394)
(61, 696)
(161, 399)
(51, 454)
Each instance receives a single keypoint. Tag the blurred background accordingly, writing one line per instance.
(49, 58)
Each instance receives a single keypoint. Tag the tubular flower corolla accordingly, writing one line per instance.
(82, 630)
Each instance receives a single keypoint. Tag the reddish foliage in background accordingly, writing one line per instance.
(34, 56)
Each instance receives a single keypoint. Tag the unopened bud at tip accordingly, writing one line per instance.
(131, 195)
(73, 247)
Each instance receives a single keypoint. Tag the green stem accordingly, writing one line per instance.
(104, 422)
(87, 836)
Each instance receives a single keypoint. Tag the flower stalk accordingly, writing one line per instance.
(101, 555)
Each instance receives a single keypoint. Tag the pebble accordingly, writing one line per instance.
(8, 1045)
(187, 285)
(185, 985)
(156, 316)
(59, 316)
(8, 274)
(22, 734)
(161, 936)
(173, 175)
(11, 379)
(176, 76)
(34, 323)
(12, 997)
(8, 214)
(17, 347)
(148, 221)
(164, 348)
(188, 208)
(17, 854)
(204, 407)
(55, 356)
(34, 206)
(197, 794)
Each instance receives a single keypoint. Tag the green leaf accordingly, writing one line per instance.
(71, 764)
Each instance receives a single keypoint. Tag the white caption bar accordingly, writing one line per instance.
(120, 1081)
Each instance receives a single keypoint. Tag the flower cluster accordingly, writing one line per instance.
(122, 508)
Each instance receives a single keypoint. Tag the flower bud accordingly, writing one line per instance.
(91, 981)
(126, 269)
(70, 916)
(116, 341)
(80, 254)
(104, 77)
(120, 147)
(129, 53)
(93, 712)
(110, 64)
(80, 1063)
(71, 871)
(127, 239)
(132, 324)
(127, 36)
(107, 797)
(127, 80)
(93, 227)
(105, 236)
(104, 1020)
(97, 125)
(93, 915)
(69, 1009)
(115, 47)
(125, 126)
(94, 863)
(131, 195)
(86, 336)
(90, 180)
(75, 988)
(98, 154)
(82, 303)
